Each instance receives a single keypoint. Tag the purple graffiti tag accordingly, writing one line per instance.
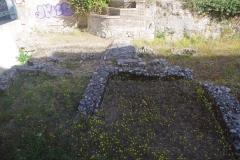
(67, 11)
(58, 10)
(47, 11)
(41, 13)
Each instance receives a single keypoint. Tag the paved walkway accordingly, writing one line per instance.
(8, 48)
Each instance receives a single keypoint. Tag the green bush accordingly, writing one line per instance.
(23, 57)
(221, 8)
(160, 35)
(87, 6)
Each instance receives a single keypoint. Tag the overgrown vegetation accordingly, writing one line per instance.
(88, 6)
(23, 57)
(216, 60)
(160, 35)
(220, 8)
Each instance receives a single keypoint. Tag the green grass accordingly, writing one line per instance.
(41, 106)
(23, 57)
(138, 120)
(215, 61)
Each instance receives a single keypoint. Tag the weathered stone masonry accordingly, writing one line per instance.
(227, 111)
(8, 77)
(227, 107)
(91, 99)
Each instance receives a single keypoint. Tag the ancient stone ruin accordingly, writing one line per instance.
(8, 77)
(226, 106)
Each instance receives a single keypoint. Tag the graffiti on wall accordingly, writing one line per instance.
(47, 11)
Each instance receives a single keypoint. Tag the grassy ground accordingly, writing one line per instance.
(138, 119)
(39, 118)
(216, 61)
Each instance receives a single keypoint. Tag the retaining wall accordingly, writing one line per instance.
(174, 19)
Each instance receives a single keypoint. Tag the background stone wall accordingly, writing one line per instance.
(168, 16)
(172, 18)
(123, 22)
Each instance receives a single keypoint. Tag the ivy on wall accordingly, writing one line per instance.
(219, 8)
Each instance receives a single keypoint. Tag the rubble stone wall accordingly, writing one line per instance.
(227, 111)
(8, 77)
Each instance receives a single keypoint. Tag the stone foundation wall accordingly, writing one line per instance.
(227, 112)
(8, 77)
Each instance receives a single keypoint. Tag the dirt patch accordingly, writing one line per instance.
(168, 116)
(45, 44)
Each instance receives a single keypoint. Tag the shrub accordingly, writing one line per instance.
(160, 35)
(221, 8)
(23, 57)
(87, 6)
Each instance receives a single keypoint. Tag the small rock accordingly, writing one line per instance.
(233, 131)
(228, 89)
(83, 57)
(29, 63)
(184, 52)
(155, 62)
(142, 64)
(163, 62)
(145, 49)
(39, 134)
(238, 64)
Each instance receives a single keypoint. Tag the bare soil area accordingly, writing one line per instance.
(171, 119)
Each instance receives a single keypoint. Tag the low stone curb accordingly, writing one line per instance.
(163, 73)
(91, 99)
(227, 108)
(8, 77)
